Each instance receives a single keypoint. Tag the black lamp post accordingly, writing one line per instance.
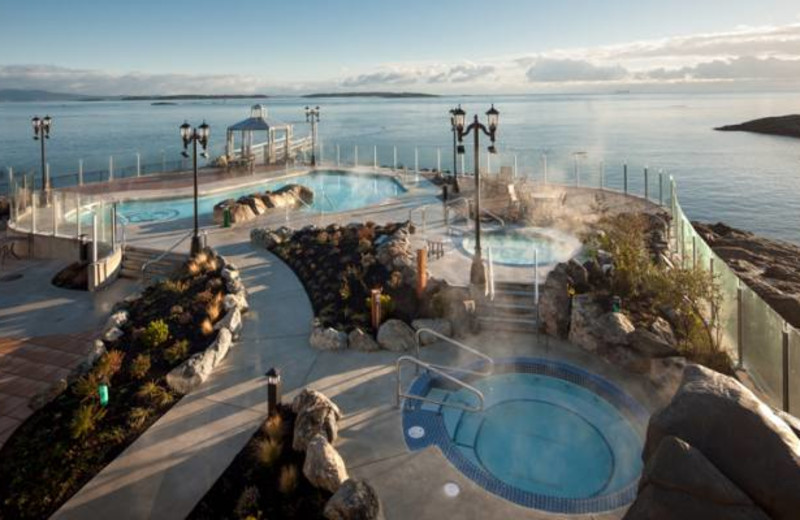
(273, 390)
(456, 113)
(312, 116)
(477, 274)
(195, 135)
(41, 132)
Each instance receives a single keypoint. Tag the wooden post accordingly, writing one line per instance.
(422, 271)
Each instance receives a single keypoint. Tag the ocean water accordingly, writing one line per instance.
(746, 180)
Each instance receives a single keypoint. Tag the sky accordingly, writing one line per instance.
(114, 47)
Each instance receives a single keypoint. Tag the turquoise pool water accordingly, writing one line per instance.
(334, 191)
(547, 436)
(515, 246)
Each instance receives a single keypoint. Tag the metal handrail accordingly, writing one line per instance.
(423, 209)
(164, 254)
(467, 348)
(433, 368)
(494, 216)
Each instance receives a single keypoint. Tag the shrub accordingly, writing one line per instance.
(137, 417)
(174, 286)
(154, 394)
(267, 451)
(287, 481)
(247, 503)
(155, 334)
(214, 309)
(140, 366)
(85, 419)
(109, 364)
(206, 327)
(114, 435)
(274, 427)
(85, 387)
(177, 352)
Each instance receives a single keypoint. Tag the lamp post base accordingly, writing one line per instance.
(477, 272)
(197, 245)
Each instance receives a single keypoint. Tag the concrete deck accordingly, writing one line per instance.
(45, 331)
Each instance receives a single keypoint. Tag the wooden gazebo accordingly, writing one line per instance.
(269, 151)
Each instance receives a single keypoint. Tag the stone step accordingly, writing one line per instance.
(508, 324)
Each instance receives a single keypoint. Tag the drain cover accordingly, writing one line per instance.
(10, 277)
(451, 489)
(416, 432)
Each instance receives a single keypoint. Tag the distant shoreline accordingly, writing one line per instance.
(784, 126)
(383, 95)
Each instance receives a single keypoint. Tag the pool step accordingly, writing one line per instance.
(439, 394)
(513, 308)
(134, 258)
(467, 429)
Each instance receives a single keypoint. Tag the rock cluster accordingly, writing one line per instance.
(771, 268)
(717, 452)
(291, 196)
(197, 368)
(315, 431)
(394, 335)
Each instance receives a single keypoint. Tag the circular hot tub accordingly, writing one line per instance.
(515, 246)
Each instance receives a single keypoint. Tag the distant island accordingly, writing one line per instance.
(786, 126)
(385, 95)
(191, 97)
(21, 95)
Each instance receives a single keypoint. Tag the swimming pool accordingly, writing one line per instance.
(334, 191)
(515, 245)
(550, 436)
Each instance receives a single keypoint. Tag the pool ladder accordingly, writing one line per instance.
(444, 372)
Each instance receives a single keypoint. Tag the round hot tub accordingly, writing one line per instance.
(515, 246)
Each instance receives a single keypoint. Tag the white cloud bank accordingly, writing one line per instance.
(749, 57)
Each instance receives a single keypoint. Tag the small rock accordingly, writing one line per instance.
(354, 500)
(231, 321)
(118, 319)
(440, 325)
(313, 421)
(191, 373)
(308, 398)
(396, 336)
(360, 340)
(661, 328)
(236, 301)
(112, 334)
(324, 467)
(328, 338)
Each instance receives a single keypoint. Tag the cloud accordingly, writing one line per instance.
(462, 73)
(397, 77)
(742, 68)
(437, 74)
(546, 70)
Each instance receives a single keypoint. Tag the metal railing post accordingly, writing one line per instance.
(646, 184)
(375, 157)
(94, 236)
(110, 168)
(536, 275)
(394, 161)
(138, 164)
(47, 182)
(338, 156)
(416, 160)
(740, 323)
(80, 172)
(785, 371)
(625, 178)
(660, 187)
(33, 210)
(78, 215)
(514, 171)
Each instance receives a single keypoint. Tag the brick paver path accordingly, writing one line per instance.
(28, 366)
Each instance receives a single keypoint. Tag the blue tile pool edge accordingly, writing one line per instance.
(436, 435)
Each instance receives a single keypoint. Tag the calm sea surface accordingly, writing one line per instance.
(747, 180)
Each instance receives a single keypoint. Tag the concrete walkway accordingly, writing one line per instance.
(45, 331)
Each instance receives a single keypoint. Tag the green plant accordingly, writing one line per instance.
(274, 427)
(140, 366)
(155, 334)
(174, 286)
(137, 417)
(267, 451)
(109, 364)
(85, 419)
(85, 387)
(287, 480)
(113, 435)
(154, 394)
(177, 352)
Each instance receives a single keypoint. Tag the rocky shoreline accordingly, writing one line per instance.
(786, 126)
(771, 268)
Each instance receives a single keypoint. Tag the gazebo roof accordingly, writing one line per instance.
(258, 121)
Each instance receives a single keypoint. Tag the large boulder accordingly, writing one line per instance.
(661, 328)
(255, 203)
(738, 434)
(678, 482)
(241, 213)
(289, 196)
(578, 275)
(396, 336)
(231, 321)
(354, 500)
(327, 338)
(595, 330)
(554, 303)
(219, 210)
(362, 341)
(324, 467)
(316, 414)
(439, 325)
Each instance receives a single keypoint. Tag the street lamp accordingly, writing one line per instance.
(477, 273)
(41, 132)
(274, 385)
(456, 114)
(312, 116)
(195, 135)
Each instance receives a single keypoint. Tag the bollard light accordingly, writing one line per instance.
(375, 308)
(616, 304)
(273, 390)
(102, 391)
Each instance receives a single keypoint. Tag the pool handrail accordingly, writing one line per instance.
(164, 254)
(483, 373)
(433, 368)
(494, 216)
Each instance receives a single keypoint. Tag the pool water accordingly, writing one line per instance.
(515, 245)
(333, 191)
(549, 436)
